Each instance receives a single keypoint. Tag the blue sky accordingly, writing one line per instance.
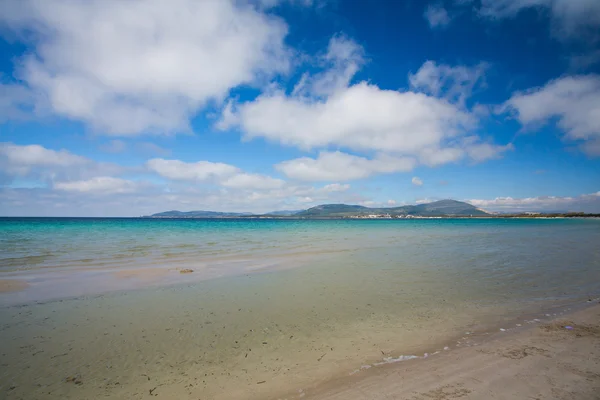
(111, 108)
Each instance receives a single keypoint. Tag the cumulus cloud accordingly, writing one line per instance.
(453, 83)
(114, 146)
(99, 185)
(139, 66)
(417, 181)
(425, 201)
(570, 17)
(205, 171)
(35, 161)
(479, 152)
(573, 101)
(470, 147)
(93, 190)
(327, 109)
(25, 157)
(338, 166)
(343, 60)
(360, 117)
(75, 185)
(197, 171)
(437, 16)
(148, 148)
(336, 187)
(144, 199)
(252, 181)
(585, 203)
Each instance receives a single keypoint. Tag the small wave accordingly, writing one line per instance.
(387, 360)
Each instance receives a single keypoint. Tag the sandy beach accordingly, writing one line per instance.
(12, 285)
(337, 309)
(555, 360)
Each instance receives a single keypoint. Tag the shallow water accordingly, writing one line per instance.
(359, 291)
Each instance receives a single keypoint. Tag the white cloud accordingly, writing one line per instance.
(148, 148)
(585, 203)
(142, 148)
(368, 203)
(479, 152)
(424, 201)
(99, 185)
(361, 117)
(114, 146)
(391, 203)
(435, 156)
(336, 187)
(469, 146)
(76, 186)
(120, 198)
(591, 147)
(417, 181)
(252, 181)
(338, 166)
(326, 110)
(228, 117)
(198, 171)
(571, 17)
(24, 157)
(453, 83)
(573, 101)
(274, 3)
(142, 65)
(437, 16)
(37, 162)
(343, 60)
(219, 173)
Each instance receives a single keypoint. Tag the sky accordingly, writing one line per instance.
(128, 108)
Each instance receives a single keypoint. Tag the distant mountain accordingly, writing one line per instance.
(330, 210)
(197, 214)
(284, 213)
(444, 207)
(436, 208)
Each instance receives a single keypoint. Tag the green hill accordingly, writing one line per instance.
(332, 210)
(436, 208)
(442, 208)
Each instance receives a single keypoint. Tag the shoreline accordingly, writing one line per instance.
(13, 285)
(18, 288)
(347, 373)
(503, 358)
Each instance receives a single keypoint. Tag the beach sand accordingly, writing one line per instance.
(148, 275)
(540, 361)
(12, 285)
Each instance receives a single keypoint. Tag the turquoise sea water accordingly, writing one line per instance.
(286, 302)
(496, 251)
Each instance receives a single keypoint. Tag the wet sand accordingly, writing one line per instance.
(12, 285)
(228, 339)
(553, 360)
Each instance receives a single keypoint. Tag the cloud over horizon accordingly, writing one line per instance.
(244, 105)
(583, 203)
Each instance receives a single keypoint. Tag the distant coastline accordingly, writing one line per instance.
(291, 217)
(434, 210)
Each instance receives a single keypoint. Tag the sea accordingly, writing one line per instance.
(104, 307)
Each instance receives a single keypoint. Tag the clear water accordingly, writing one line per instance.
(358, 291)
